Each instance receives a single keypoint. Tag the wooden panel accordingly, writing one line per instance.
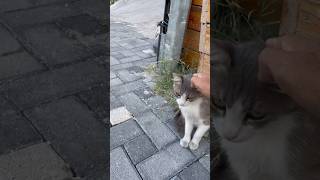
(204, 64)
(311, 7)
(190, 57)
(204, 46)
(191, 39)
(197, 2)
(194, 18)
(290, 9)
(309, 25)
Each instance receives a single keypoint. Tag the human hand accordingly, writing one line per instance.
(293, 64)
(201, 81)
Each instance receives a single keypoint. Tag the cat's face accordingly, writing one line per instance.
(184, 92)
(243, 107)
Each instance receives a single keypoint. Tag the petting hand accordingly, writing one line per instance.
(202, 82)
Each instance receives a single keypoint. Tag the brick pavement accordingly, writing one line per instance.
(53, 90)
(147, 145)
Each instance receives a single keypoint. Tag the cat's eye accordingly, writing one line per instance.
(187, 99)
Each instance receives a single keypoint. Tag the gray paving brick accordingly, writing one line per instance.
(144, 93)
(178, 131)
(17, 64)
(97, 99)
(135, 69)
(140, 148)
(126, 88)
(127, 53)
(74, 133)
(204, 148)
(175, 178)
(83, 23)
(158, 132)
(164, 113)
(205, 161)
(22, 4)
(115, 82)
(114, 102)
(195, 171)
(16, 132)
(130, 59)
(35, 162)
(96, 8)
(133, 103)
(113, 61)
(166, 163)
(120, 66)
(5, 107)
(121, 167)
(155, 102)
(8, 43)
(123, 133)
(112, 75)
(27, 92)
(43, 14)
(53, 47)
(126, 76)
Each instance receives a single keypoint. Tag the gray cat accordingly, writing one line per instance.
(264, 134)
(194, 108)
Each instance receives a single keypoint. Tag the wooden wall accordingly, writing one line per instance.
(190, 49)
(301, 17)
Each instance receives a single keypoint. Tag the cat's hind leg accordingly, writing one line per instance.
(201, 130)
(188, 126)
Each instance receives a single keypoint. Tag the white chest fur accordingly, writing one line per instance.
(262, 157)
(191, 111)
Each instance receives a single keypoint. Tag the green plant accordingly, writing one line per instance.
(236, 23)
(162, 73)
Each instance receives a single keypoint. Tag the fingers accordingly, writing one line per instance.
(292, 43)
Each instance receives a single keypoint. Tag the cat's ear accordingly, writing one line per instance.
(177, 82)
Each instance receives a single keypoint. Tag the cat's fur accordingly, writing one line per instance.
(195, 109)
(264, 134)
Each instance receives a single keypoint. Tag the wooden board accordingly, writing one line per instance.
(190, 57)
(194, 18)
(197, 2)
(191, 40)
(204, 46)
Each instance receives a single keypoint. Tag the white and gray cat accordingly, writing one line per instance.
(195, 109)
(264, 134)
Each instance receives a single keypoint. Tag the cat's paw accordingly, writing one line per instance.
(193, 146)
(184, 143)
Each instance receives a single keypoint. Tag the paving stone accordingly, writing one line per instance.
(27, 92)
(140, 148)
(96, 8)
(135, 69)
(164, 113)
(5, 107)
(119, 115)
(176, 178)
(112, 75)
(126, 76)
(126, 88)
(127, 53)
(155, 102)
(22, 4)
(114, 102)
(113, 61)
(8, 43)
(43, 14)
(84, 24)
(204, 148)
(166, 163)
(17, 64)
(205, 161)
(133, 103)
(158, 132)
(53, 47)
(144, 93)
(123, 133)
(118, 56)
(96, 44)
(75, 134)
(195, 171)
(173, 127)
(143, 55)
(16, 132)
(130, 59)
(97, 99)
(121, 167)
(120, 66)
(115, 82)
(34, 162)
